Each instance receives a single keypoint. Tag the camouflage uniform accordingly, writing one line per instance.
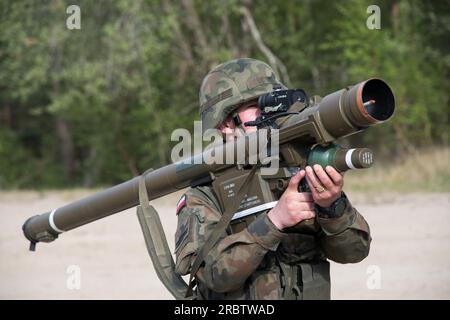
(259, 262)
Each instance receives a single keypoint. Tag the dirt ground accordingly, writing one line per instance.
(409, 257)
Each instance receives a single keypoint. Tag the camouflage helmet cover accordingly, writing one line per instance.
(230, 84)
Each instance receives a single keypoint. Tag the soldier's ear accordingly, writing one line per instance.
(229, 122)
(227, 126)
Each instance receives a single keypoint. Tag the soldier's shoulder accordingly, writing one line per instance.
(204, 192)
(199, 196)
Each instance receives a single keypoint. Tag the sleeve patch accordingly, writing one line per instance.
(181, 203)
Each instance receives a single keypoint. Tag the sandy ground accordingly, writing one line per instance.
(409, 258)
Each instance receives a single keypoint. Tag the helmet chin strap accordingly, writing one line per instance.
(238, 123)
(239, 130)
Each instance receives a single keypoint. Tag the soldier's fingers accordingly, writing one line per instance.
(305, 206)
(306, 196)
(308, 214)
(316, 195)
(296, 205)
(314, 192)
(334, 175)
(323, 177)
(309, 206)
(295, 180)
(312, 179)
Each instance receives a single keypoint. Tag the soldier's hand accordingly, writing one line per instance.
(293, 206)
(328, 181)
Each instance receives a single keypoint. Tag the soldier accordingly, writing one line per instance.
(264, 260)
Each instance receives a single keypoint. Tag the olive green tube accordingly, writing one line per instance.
(342, 159)
(160, 182)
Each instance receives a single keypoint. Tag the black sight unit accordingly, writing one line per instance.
(281, 100)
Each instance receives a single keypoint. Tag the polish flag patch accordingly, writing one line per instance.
(181, 203)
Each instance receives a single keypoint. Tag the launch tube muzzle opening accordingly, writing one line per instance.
(374, 100)
(351, 109)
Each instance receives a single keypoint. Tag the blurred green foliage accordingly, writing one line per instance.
(97, 106)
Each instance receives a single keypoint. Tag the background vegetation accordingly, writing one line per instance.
(96, 106)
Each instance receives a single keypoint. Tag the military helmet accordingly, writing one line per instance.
(230, 84)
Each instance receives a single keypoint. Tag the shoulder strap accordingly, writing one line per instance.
(156, 242)
(219, 230)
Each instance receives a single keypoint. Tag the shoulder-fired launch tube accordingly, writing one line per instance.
(339, 114)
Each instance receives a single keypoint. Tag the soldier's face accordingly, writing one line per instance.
(247, 112)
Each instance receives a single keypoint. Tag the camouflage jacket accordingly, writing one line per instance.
(261, 262)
